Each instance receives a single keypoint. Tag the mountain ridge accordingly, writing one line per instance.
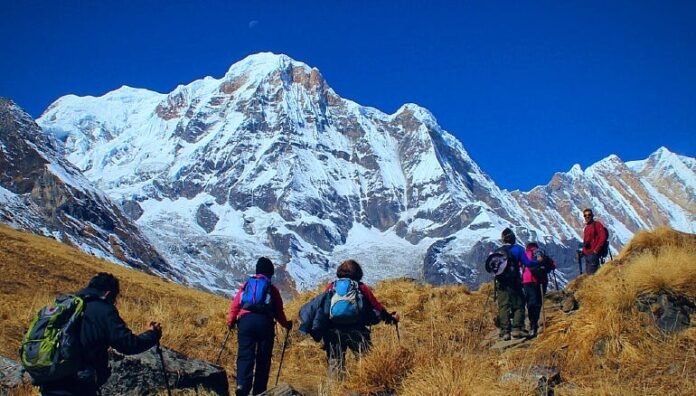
(278, 164)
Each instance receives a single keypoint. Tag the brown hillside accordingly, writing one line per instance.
(605, 347)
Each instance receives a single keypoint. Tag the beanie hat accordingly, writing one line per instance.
(264, 266)
(508, 236)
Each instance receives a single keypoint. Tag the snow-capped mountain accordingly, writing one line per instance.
(42, 192)
(269, 160)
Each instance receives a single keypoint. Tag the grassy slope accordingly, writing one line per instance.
(441, 330)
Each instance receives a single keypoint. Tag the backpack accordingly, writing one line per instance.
(51, 348)
(502, 265)
(604, 250)
(256, 296)
(346, 302)
(541, 271)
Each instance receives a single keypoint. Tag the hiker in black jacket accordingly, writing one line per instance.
(101, 328)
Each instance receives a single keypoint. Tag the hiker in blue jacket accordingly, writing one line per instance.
(509, 294)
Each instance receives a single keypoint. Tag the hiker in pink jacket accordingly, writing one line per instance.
(534, 282)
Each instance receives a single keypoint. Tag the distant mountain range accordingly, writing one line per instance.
(42, 192)
(269, 160)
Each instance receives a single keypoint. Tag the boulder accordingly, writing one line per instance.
(10, 375)
(569, 304)
(671, 311)
(281, 390)
(142, 374)
(543, 378)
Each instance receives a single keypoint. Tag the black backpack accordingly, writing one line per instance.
(604, 250)
(541, 271)
(503, 266)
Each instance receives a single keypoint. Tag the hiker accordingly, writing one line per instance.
(534, 282)
(545, 267)
(101, 327)
(594, 238)
(353, 308)
(253, 310)
(508, 284)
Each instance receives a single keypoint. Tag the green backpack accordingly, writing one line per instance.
(51, 348)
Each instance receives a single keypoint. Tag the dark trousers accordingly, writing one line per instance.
(591, 263)
(338, 341)
(255, 333)
(69, 387)
(510, 301)
(532, 296)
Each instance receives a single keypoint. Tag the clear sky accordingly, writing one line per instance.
(529, 87)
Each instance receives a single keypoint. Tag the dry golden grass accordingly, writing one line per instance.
(606, 347)
(35, 269)
(609, 338)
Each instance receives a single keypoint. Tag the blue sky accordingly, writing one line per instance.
(530, 88)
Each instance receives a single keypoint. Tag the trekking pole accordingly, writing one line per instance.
(579, 256)
(543, 313)
(229, 330)
(495, 290)
(398, 336)
(484, 308)
(555, 279)
(164, 370)
(282, 354)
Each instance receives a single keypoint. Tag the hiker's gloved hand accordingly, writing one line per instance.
(232, 325)
(289, 326)
(156, 327)
(390, 318)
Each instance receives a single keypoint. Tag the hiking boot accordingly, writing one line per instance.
(533, 333)
(519, 333)
(506, 337)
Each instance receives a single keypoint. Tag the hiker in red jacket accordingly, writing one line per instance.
(593, 239)
(253, 309)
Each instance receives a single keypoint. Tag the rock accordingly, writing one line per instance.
(206, 218)
(501, 345)
(599, 348)
(544, 378)
(670, 311)
(569, 304)
(556, 296)
(142, 374)
(281, 390)
(10, 375)
(201, 320)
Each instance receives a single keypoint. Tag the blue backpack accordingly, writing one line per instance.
(256, 296)
(346, 302)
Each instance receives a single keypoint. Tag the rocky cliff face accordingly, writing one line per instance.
(42, 192)
(269, 160)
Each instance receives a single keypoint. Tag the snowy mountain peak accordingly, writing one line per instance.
(611, 163)
(268, 160)
(661, 152)
(259, 65)
(575, 170)
(419, 113)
